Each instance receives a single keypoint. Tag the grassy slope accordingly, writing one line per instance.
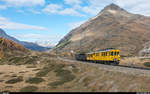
(51, 75)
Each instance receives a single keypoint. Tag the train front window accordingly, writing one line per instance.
(117, 53)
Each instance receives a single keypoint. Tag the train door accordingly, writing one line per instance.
(100, 56)
(97, 57)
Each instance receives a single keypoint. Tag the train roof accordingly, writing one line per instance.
(102, 50)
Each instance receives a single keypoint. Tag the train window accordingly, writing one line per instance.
(97, 54)
(117, 53)
(106, 53)
(112, 53)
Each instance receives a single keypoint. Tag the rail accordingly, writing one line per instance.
(127, 66)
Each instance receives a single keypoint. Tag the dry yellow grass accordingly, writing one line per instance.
(130, 60)
(136, 61)
(88, 77)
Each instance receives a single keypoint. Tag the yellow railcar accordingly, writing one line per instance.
(106, 56)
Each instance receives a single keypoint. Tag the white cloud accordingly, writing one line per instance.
(41, 39)
(3, 7)
(128, 3)
(52, 8)
(70, 11)
(75, 24)
(136, 6)
(91, 10)
(34, 11)
(20, 11)
(95, 6)
(7, 24)
(72, 2)
(34, 36)
(58, 9)
(22, 3)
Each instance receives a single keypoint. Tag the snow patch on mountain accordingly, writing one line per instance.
(45, 43)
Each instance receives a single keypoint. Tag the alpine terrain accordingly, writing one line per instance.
(113, 27)
(29, 45)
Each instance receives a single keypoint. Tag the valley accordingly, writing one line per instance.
(30, 67)
(53, 74)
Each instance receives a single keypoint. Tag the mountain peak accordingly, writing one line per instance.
(113, 7)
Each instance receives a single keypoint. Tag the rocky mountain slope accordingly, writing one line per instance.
(9, 48)
(146, 50)
(113, 27)
(28, 45)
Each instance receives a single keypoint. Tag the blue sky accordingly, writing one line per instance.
(50, 20)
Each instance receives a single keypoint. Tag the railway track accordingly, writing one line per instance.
(135, 67)
(125, 66)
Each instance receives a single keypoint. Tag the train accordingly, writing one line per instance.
(105, 56)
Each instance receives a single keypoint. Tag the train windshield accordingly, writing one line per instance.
(117, 53)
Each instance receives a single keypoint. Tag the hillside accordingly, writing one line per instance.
(9, 48)
(113, 27)
(50, 74)
(28, 45)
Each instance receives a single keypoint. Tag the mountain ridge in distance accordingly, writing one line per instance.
(29, 45)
